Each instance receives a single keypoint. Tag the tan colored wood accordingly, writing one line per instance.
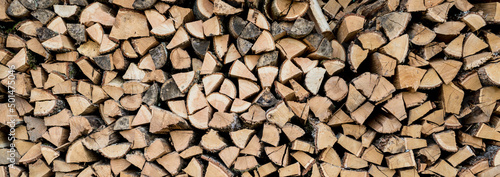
(474, 21)
(356, 56)
(243, 163)
(443, 168)
(394, 23)
(351, 145)
(290, 47)
(452, 97)
(349, 27)
(401, 160)
(281, 10)
(247, 89)
(421, 35)
(397, 48)
(438, 13)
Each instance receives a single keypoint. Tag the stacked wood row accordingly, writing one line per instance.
(249, 88)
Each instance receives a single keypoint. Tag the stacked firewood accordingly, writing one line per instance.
(255, 88)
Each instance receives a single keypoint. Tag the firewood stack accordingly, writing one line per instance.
(222, 88)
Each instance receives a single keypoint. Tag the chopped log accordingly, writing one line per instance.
(239, 70)
(460, 156)
(279, 114)
(438, 13)
(371, 40)
(443, 168)
(394, 23)
(290, 47)
(247, 88)
(351, 145)
(244, 163)
(486, 132)
(264, 43)
(288, 71)
(488, 75)
(228, 88)
(408, 77)
(350, 26)
(421, 35)
(125, 19)
(393, 48)
(452, 97)
(220, 45)
(115, 151)
(356, 56)
(401, 160)
(164, 121)
(446, 141)
(281, 10)
(473, 44)
(313, 79)
(77, 153)
(224, 121)
(474, 21)
(321, 107)
(430, 80)
(384, 124)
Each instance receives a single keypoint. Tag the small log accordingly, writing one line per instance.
(350, 26)
(181, 139)
(446, 141)
(486, 132)
(125, 19)
(401, 160)
(394, 23)
(220, 45)
(438, 13)
(371, 40)
(212, 142)
(280, 114)
(473, 44)
(288, 71)
(290, 47)
(212, 27)
(397, 48)
(351, 145)
(250, 32)
(224, 121)
(161, 125)
(228, 88)
(488, 75)
(452, 97)
(180, 39)
(264, 43)
(443, 168)
(247, 89)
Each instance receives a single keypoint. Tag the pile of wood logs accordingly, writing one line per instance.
(252, 88)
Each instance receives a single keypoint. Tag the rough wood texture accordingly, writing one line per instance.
(249, 88)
